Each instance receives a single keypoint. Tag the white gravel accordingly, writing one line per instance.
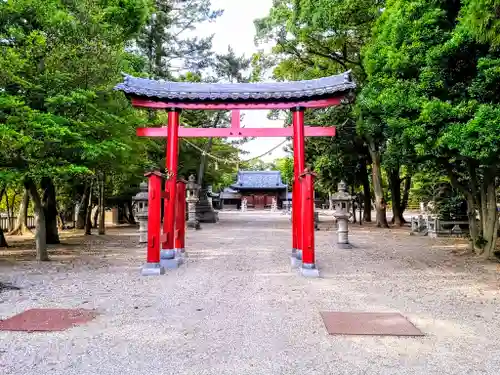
(237, 308)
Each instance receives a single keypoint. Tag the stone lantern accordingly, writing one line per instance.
(141, 211)
(341, 204)
(244, 204)
(192, 197)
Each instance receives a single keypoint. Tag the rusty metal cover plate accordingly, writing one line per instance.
(376, 324)
(48, 320)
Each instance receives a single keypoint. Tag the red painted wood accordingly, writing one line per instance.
(180, 216)
(321, 103)
(235, 119)
(295, 204)
(154, 217)
(299, 166)
(242, 132)
(171, 185)
(307, 204)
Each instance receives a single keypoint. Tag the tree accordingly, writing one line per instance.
(164, 39)
(3, 241)
(21, 226)
(59, 117)
(285, 166)
(433, 80)
(228, 68)
(314, 39)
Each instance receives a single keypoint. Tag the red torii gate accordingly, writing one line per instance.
(176, 96)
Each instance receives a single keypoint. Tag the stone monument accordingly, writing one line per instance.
(341, 203)
(192, 191)
(244, 204)
(274, 205)
(141, 211)
(205, 212)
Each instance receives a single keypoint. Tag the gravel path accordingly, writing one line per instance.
(237, 308)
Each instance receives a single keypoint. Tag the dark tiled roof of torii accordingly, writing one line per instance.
(206, 92)
(259, 180)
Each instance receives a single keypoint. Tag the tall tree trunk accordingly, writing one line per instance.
(49, 205)
(88, 217)
(395, 186)
(353, 207)
(3, 241)
(82, 212)
(483, 210)
(490, 219)
(130, 213)
(378, 189)
(367, 194)
(21, 226)
(95, 218)
(102, 228)
(473, 225)
(406, 194)
(41, 231)
(10, 210)
(62, 217)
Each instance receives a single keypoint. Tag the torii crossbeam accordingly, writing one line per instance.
(236, 131)
(293, 96)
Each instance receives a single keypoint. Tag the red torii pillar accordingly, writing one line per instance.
(180, 219)
(174, 96)
(172, 239)
(169, 257)
(153, 266)
(307, 209)
(298, 167)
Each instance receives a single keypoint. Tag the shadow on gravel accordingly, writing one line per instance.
(7, 286)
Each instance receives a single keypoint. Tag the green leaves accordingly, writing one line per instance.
(58, 114)
(479, 138)
(481, 18)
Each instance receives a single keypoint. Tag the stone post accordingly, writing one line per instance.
(141, 208)
(415, 224)
(274, 205)
(342, 201)
(192, 191)
(209, 196)
(244, 203)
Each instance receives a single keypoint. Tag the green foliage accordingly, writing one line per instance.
(313, 39)
(285, 166)
(164, 40)
(480, 17)
(59, 116)
(433, 72)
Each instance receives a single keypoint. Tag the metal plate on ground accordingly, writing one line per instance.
(47, 320)
(367, 323)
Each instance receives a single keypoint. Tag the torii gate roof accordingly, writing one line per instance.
(197, 94)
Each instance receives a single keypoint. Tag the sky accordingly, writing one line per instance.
(235, 28)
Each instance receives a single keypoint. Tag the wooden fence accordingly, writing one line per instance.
(4, 222)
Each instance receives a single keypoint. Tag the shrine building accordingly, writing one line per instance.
(258, 187)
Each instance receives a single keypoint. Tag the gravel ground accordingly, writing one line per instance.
(236, 307)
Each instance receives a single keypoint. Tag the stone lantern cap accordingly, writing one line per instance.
(191, 184)
(342, 194)
(142, 195)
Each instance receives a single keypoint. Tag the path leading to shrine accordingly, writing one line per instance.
(237, 308)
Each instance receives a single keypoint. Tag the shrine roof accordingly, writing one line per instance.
(215, 92)
(259, 180)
